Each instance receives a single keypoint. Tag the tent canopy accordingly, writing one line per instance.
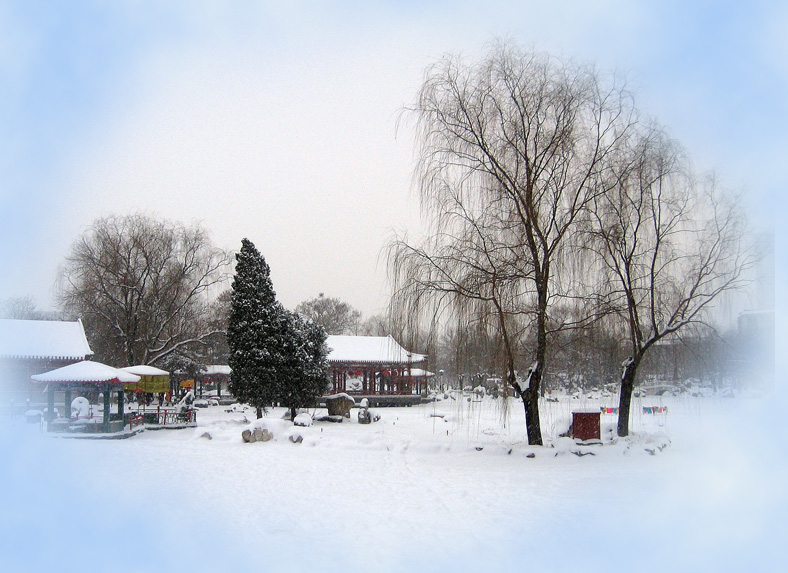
(145, 370)
(154, 380)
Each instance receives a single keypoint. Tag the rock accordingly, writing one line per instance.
(364, 417)
(340, 405)
(364, 403)
(265, 435)
(247, 436)
(206, 435)
(303, 420)
(33, 416)
(334, 419)
(257, 435)
(297, 439)
(299, 411)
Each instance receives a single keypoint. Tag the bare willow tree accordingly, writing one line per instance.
(140, 285)
(669, 246)
(511, 150)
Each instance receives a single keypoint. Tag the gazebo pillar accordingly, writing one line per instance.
(67, 401)
(121, 404)
(107, 390)
(50, 405)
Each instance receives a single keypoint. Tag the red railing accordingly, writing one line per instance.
(162, 417)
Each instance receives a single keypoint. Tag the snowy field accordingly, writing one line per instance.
(446, 486)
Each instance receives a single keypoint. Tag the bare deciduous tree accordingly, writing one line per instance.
(140, 285)
(511, 150)
(333, 314)
(21, 308)
(669, 246)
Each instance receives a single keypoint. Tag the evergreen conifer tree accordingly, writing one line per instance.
(275, 356)
(307, 372)
(257, 332)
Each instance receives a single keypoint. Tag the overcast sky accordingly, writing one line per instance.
(276, 121)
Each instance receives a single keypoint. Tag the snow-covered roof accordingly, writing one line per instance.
(145, 370)
(87, 371)
(369, 349)
(216, 369)
(421, 372)
(43, 339)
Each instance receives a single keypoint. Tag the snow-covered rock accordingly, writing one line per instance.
(340, 404)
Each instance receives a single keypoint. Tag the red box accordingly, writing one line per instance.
(585, 425)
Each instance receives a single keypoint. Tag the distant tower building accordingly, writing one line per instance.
(756, 326)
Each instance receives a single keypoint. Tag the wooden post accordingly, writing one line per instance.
(50, 405)
(121, 405)
(106, 407)
(67, 401)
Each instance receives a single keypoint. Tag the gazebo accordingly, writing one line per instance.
(371, 366)
(86, 376)
(213, 376)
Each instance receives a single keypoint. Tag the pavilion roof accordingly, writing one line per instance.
(415, 372)
(87, 371)
(43, 339)
(370, 349)
(212, 369)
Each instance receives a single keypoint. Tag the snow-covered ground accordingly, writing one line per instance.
(450, 485)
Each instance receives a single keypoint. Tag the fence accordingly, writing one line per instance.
(162, 417)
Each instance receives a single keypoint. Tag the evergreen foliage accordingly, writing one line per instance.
(307, 379)
(275, 355)
(255, 331)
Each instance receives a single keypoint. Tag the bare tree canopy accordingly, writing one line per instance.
(140, 286)
(22, 307)
(668, 244)
(511, 150)
(334, 315)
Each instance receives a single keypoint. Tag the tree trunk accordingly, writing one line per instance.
(292, 414)
(625, 398)
(530, 399)
(259, 412)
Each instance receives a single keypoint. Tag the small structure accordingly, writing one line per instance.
(152, 380)
(29, 347)
(585, 426)
(212, 379)
(374, 366)
(86, 376)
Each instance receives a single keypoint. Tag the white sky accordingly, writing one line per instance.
(276, 120)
